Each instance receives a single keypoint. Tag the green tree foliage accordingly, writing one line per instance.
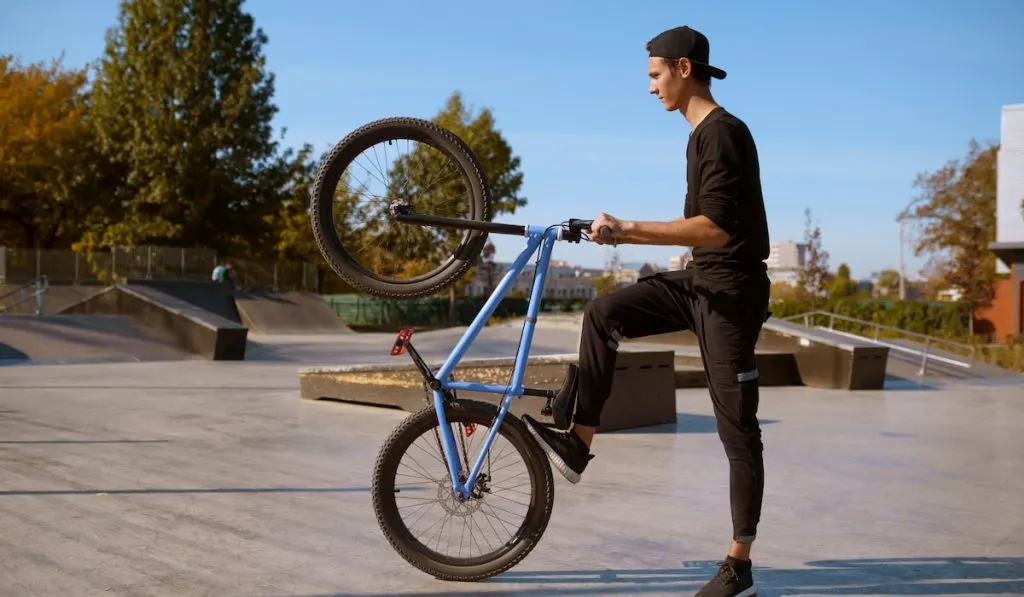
(289, 232)
(956, 216)
(182, 106)
(887, 282)
(842, 285)
(49, 169)
(430, 179)
(604, 284)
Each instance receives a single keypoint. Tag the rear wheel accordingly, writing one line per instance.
(399, 162)
(466, 540)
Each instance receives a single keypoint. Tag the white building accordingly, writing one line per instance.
(785, 260)
(786, 255)
(563, 280)
(1010, 179)
(1008, 309)
(678, 262)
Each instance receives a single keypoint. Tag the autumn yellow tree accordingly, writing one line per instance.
(50, 171)
(956, 219)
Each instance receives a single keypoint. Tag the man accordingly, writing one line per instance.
(722, 296)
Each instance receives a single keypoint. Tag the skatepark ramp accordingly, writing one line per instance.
(288, 313)
(206, 294)
(193, 328)
(913, 355)
(76, 339)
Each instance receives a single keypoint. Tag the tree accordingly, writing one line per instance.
(842, 286)
(182, 105)
(887, 281)
(784, 291)
(49, 168)
(604, 284)
(813, 277)
(956, 214)
(426, 177)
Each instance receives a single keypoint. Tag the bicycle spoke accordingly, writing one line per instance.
(451, 526)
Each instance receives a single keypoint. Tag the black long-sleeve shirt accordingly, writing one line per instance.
(723, 179)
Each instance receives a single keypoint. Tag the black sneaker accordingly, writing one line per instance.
(565, 449)
(734, 579)
(564, 402)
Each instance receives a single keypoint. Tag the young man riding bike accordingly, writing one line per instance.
(722, 296)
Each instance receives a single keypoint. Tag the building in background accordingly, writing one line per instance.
(785, 260)
(678, 262)
(564, 280)
(1006, 315)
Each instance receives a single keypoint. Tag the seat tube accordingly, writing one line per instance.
(533, 309)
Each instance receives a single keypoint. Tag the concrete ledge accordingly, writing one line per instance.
(829, 360)
(195, 329)
(643, 391)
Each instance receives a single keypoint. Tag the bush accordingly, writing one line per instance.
(944, 320)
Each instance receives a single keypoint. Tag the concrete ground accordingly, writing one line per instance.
(204, 478)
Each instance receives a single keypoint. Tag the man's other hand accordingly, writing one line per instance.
(611, 222)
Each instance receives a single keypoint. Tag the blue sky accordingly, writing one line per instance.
(847, 101)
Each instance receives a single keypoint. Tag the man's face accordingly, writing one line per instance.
(667, 83)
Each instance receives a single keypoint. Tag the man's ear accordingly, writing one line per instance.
(684, 67)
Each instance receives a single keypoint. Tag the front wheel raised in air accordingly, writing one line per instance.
(404, 163)
(484, 535)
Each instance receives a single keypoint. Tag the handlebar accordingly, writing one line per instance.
(578, 226)
(401, 213)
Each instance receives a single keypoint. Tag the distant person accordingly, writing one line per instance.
(230, 276)
(722, 296)
(219, 272)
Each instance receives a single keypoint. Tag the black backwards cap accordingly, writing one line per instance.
(684, 42)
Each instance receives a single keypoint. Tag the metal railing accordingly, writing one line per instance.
(929, 342)
(26, 292)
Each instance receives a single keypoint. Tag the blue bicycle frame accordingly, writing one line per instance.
(537, 236)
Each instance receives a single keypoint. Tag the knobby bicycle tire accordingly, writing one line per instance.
(326, 234)
(412, 550)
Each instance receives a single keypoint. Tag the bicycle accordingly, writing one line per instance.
(464, 488)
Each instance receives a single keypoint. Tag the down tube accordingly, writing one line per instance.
(524, 352)
(488, 309)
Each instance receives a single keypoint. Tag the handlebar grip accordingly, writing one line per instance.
(584, 226)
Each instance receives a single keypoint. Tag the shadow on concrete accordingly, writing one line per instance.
(9, 353)
(685, 423)
(872, 576)
(901, 383)
(84, 441)
(176, 491)
(176, 388)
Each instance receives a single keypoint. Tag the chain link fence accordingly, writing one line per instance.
(74, 268)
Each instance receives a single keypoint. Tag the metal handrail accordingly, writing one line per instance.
(927, 340)
(38, 287)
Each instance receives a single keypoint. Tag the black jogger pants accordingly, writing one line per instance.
(727, 325)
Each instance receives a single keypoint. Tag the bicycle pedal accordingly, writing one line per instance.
(401, 342)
